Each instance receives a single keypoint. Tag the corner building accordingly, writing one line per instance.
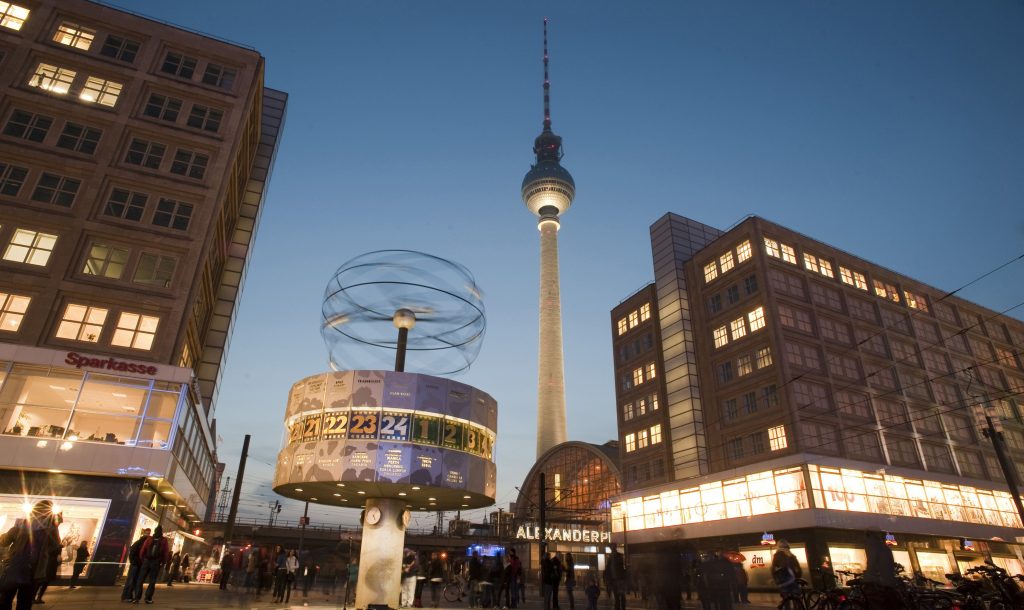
(134, 159)
(772, 386)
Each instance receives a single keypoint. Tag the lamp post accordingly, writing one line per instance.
(403, 320)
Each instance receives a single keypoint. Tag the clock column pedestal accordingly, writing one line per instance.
(380, 558)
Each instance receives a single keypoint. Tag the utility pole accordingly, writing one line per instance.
(230, 527)
(499, 526)
(223, 499)
(275, 508)
(986, 418)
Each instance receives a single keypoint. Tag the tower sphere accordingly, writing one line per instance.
(548, 184)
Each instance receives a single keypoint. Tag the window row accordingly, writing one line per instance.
(748, 445)
(634, 318)
(174, 63)
(750, 403)
(726, 262)
(644, 471)
(639, 375)
(739, 328)
(643, 438)
(169, 108)
(85, 323)
(744, 364)
(634, 408)
(88, 88)
(637, 347)
(732, 294)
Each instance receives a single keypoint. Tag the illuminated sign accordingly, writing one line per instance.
(109, 364)
(768, 539)
(890, 539)
(554, 534)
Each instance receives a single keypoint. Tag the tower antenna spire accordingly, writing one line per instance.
(547, 82)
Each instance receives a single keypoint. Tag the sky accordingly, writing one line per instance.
(892, 129)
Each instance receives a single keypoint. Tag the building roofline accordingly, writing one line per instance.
(109, 4)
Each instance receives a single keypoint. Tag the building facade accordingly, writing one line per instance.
(134, 158)
(810, 393)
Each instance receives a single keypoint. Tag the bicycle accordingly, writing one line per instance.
(454, 589)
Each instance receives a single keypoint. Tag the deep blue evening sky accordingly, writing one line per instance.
(891, 129)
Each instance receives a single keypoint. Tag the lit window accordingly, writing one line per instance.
(653, 401)
(826, 268)
(12, 178)
(12, 16)
(915, 301)
(155, 270)
(627, 411)
(721, 336)
(126, 204)
(756, 319)
(101, 91)
(710, 271)
(777, 438)
(12, 311)
(638, 376)
(30, 247)
(853, 278)
(135, 330)
(788, 254)
(28, 126)
(58, 190)
(630, 443)
(744, 366)
(52, 79)
(818, 265)
(119, 48)
(79, 138)
(743, 251)
(764, 357)
(178, 65)
(173, 214)
(205, 118)
(82, 323)
(74, 35)
(771, 248)
(811, 262)
(655, 434)
(105, 261)
(651, 371)
(887, 291)
(219, 76)
(645, 312)
(622, 326)
(738, 328)
(641, 439)
(145, 154)
(726, 262)
(634, 319)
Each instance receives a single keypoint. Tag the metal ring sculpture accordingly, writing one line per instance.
(363, 295)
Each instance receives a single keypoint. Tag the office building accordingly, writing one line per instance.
(134, 159)
(770, 385)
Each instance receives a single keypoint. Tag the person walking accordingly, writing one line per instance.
(81, 558)
(616, 578)
(880, 572)
(516, 584)
(557, 572)
(227, 564)
(593, 591)
(739, 581)
(786, 570)
(350, 584)
(173, 568)
(409, 568)
(718, 574)
(570, 579)
(279, 561)
(185, 564)
(251, 565)
(546, 568)
(49, 559)
(155, 554)
(134, 566)
(475, 574)
(436, 575)
(309, 571)
(26, 541)
(291, 565)
(496, 576)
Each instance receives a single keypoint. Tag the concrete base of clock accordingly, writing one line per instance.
(380, 559)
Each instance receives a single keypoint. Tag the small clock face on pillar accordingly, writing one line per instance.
(406, 517)
(373, 515)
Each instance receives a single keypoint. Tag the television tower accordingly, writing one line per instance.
(548, 190)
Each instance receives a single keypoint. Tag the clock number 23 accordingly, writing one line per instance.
(364, 423)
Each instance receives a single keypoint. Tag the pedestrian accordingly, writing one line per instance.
(265, 570)
(81, 558)
(557, 573)
(592, 591)
(353, 579)
(26, 541)
(616, 577)
(880, 572)
(570, 579)
(718, 574)
(410, 571)
(740, 580)
(786, 570)
(436, 575)
(666, 587)
(227, 564)
(134, 566)
(309, 571)
(155, 553)
(251, 567)
(279, 560)
(185, 564)
(422, 574)
(173, 568)
(291, 566)
(516, 581)
(49, 558)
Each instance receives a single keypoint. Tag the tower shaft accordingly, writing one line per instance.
(550, 367)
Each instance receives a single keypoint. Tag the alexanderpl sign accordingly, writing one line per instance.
(562, 534)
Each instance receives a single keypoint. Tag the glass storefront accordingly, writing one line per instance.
(71, 405)
(847, 559)
(757, 562)
(1012, 565)
(82, 522)
(934, 565)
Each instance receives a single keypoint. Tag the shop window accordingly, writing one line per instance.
(162, 405)
(82, 520)
(12, 312)
(30, 247)
(155, 434)
(82, 323)
(135, 330)
(36, 401)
